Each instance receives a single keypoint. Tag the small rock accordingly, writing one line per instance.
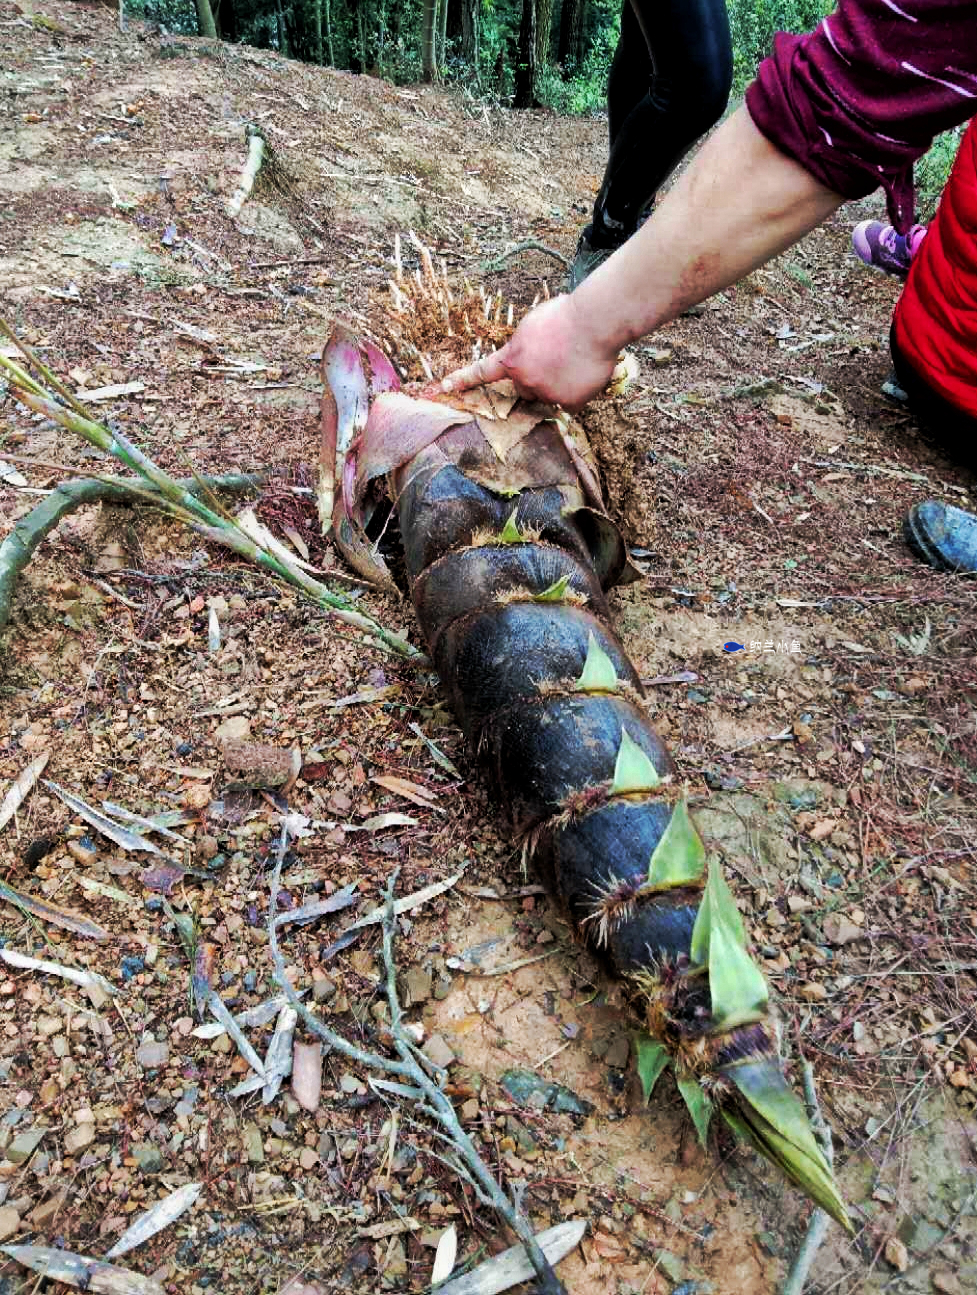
(83, 850)
(9, 1222)
(470, 1109)
(254, 1149)
(523, 1138)
(307, 1075)
(254, 764)
(839, 929)
(896, 1254)
(308, 1158)
(947, 1283)
(349, 1083)
(208, 847)
(196, 796)
(152, 1055)
(437, 1050)
(670, 1265)
(323, 988)
(24, 1145)
(417, 984)
(78, 1139)
(148, 1158)
(236, 728)
(813, 992)
(619, 1052)
(775, 918)
(49, 1025)
(44, 1214)
(395, 1263)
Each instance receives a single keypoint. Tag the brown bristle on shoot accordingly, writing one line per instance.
(431, 324)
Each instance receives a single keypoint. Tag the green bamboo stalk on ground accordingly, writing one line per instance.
(178, 497)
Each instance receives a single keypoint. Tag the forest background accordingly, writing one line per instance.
(521, 53)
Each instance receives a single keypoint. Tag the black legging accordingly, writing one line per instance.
(669, 83)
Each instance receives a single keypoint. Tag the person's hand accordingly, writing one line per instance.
(552, 356)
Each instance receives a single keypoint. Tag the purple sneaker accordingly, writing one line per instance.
(880, 246)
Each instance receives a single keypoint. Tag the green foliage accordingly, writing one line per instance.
(933, 171)
(754, 23)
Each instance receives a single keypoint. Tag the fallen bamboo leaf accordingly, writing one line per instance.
(248, 523)
(21, 787)
(380, 821)
(46, 912)
(218, 1008)
(11, 477)
(445, 1256)
(388, 1228)
(160, 823)
(122, 837)
(111, 393)
(408, 902)
(87, 979)
(250, 1019)
(399, 1090)
(513, 966)
(512, 1266)
(155, 1219)
(278, 1058)
(81, 1272)
(107, 892)
(309, 912)
(411, 791)
(436, 753)
(363, 697)
(297, 541)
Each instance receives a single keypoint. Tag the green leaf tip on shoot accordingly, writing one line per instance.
(554, 593)
(698, 1104)
(718, 905)
(633, 770)
(652, 1058)
(598, 674)
(679, 858)
(510, 532)
(771, 1118)
(737, 988)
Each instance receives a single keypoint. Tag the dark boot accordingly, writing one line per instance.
(587, 258)
(943, 536)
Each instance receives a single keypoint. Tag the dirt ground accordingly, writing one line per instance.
(761, 477)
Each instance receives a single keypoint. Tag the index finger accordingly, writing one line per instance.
(490, 368)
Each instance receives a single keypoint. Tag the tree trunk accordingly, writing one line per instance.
(526, 61)
(317, 30)
(469, 32)
(571, 21)
(544, 27)
(429, 43)
(328, 18)
(283, 46)
(443, 37)
(361, 33)
(205, 20)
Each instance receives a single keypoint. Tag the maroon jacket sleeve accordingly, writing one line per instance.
(860, 98)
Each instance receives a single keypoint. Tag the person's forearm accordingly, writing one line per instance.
(739, 203)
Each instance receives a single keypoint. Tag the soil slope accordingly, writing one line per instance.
(761, 477)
